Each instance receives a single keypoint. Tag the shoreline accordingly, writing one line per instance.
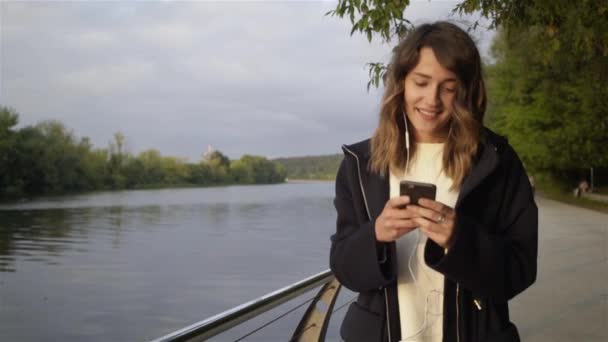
(310, 181)
(30, 198)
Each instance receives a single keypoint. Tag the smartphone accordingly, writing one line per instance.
(417, 190)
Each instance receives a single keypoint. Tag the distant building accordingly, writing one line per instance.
(207, 154)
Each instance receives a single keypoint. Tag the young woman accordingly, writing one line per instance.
(442, 269)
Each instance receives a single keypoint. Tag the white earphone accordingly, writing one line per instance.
(409, 262)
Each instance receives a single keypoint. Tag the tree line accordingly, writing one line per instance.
(47, 158)
(311, 167)
(548, 91)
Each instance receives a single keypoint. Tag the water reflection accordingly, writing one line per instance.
(154, 260)
(39, 235)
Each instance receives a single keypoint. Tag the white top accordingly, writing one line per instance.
(421, 301)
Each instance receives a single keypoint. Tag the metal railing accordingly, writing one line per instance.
(312, 326)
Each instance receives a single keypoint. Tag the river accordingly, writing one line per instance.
(135, 265)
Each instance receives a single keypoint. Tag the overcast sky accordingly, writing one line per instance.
(272, 78)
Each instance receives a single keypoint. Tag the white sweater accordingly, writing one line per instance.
(423, 297)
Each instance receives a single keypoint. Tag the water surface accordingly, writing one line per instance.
(135, 265)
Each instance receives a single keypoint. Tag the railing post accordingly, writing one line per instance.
(313, 326)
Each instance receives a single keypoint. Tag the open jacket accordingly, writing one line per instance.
(492, 258)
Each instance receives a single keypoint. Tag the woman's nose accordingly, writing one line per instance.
(433, 96)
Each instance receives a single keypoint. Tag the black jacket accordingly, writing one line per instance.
(492, 259)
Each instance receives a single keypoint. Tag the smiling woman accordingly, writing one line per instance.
(436, 71)
(441, 268)
(429, 96)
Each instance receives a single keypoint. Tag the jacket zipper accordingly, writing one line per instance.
(369, 217)
(388, 320)
(457, 313)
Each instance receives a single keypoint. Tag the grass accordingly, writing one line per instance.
(602, 190)
(561, 194)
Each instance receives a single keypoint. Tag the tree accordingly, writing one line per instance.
(219, 165)
(151, 161)
(547, 86)
(49, 158)
(116, 178)
(175, 170)
(93, 163)
(199, 174)
(8, 120)
(256, 169)
(580, 24)
(553, 111)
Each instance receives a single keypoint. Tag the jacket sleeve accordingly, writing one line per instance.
(496, 265)
(355, 256)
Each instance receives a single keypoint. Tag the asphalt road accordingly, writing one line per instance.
(569, 301)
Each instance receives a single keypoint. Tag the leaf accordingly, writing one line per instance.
(355, 27)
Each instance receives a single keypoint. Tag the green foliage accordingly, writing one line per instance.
(255, 169)
(8, 120)
(556, 189)
(547, 87)
(48, 159)
(374, 16)
(219, 166)
(553, 110)
(582, 25)
(312, 167)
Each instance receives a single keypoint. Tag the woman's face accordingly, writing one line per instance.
(430, 90)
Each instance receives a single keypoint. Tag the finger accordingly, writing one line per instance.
(401, 224)
(428, 225)
(436, 206)
(405, 225)
(404, 213)
(389, 231)
(437, 238)
(426, 213)
(435, 232)
(397, 202)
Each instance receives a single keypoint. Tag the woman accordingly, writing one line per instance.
(443, 269)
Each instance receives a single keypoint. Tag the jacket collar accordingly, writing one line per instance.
(376, 188)
(488, 158)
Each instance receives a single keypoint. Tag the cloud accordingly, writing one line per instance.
(267, 78)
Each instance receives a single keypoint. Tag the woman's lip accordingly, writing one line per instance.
(434, 111)
(428, 117)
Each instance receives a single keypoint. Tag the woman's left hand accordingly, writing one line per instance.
(436, 220)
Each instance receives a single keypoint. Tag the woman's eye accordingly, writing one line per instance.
(420, 84)
(450, 90)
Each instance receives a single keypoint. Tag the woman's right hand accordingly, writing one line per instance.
(395, 220)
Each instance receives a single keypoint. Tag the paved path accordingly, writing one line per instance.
(569, 301)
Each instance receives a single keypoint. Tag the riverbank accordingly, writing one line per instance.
(310, 180)
(22, 199)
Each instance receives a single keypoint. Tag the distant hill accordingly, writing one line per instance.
(311, 167)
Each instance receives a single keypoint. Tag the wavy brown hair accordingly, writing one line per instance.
(455, 51)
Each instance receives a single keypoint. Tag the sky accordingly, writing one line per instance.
(270, 78)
